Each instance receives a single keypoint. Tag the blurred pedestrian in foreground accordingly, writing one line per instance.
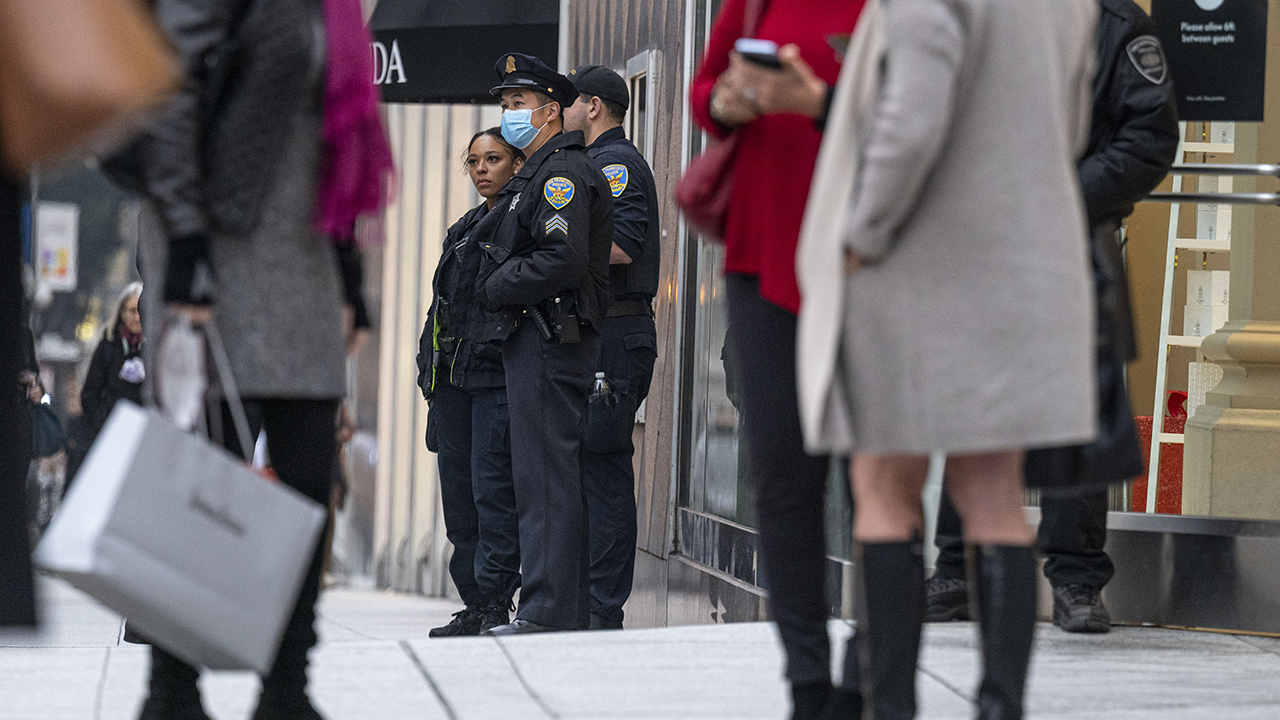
(250, 225)
(465, 384)
(628, 339)
(1133, 141)
(115, 373)
(544, 287)
(17, 592)
(968, 317)
(778, 116)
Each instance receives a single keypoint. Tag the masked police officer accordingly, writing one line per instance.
(1132, 143)
(544, 283)
(628, 341)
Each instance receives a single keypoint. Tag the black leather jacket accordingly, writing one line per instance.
(548, 236)
(1134, 135)
(444, 350)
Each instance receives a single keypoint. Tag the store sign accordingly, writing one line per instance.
(57, 241)
(1217, 53)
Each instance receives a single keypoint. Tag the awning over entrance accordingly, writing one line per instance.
(443, 51)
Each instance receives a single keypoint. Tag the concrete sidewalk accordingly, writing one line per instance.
(376, 662)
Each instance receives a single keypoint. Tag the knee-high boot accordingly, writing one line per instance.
(1003, 594)
(893, 575)
(172, 690)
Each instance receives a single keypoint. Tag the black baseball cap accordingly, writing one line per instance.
(526, 72)
(601, 82)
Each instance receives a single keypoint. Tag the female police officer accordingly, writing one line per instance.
(468, 422)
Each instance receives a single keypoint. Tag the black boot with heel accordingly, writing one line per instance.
(173, 692)
(1002, 584)
(893, 574)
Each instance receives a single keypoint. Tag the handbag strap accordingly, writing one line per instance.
(227, 381)
(751, 16)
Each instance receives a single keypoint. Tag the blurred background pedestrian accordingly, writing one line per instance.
(778, 115)
(115, 373)
(253, 195)
(467, 424)
(968, 313)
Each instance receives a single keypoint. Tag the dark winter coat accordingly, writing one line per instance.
(103, 385)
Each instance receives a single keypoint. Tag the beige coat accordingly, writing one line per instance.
(970, 328)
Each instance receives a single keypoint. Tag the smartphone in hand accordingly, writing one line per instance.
(760, 52)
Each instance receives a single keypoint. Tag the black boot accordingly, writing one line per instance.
(284, 689)
(809, 699)
(1003, 592)
(893, 575)
(172, 690)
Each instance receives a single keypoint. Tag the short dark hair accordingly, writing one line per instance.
(615, 111)
(496, 134)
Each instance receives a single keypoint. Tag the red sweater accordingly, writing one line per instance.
(776, 153)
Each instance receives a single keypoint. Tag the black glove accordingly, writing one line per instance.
(188, 278)
(351, 271)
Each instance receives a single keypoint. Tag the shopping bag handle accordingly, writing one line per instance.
(227, 382)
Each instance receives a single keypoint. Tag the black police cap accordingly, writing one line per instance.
(526, 72)
(601, 82)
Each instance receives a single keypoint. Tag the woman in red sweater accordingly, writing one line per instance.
(779, 115)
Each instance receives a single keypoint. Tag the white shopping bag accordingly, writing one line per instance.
(201, 554)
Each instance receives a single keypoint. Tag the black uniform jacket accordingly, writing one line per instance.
(547, 237)
(444, 352)
(635, 214)
(1134, 136)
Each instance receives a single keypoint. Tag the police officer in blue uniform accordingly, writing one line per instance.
(628, 341)
(544, 286)
(467, 426)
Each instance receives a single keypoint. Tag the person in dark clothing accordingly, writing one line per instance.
(465, 385)
(17, 586)
(628, 340)
(116, 372)
(544, 288)
(1132, 143)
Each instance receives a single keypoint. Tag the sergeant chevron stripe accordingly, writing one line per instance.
(557, 222)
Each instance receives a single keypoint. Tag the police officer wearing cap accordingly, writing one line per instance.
(544, 287)
(628, 341)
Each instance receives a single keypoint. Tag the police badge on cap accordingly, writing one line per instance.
(526, 72)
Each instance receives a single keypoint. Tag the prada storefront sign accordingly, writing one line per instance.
(443, 51)
(1217, 51)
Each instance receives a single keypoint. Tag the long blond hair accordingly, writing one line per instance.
(133, 289)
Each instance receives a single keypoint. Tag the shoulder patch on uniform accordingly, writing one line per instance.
(557, 222)
(1147, 56)
(617, 176)
(558, 191)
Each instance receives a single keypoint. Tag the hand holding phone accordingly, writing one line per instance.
(760, 52)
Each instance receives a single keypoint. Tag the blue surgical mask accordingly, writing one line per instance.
(518, 129)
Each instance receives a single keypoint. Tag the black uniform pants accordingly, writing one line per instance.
(790, 485)
(1073, 532)
(17, 595)
(477, 492)
(547, 386)
(301, 439)
(628, 349)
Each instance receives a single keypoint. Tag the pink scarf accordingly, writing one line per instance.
(357, 168)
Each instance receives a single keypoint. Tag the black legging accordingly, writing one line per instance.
(301, 438)
(790, 485)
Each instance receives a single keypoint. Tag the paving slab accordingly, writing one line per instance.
(375, 661)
